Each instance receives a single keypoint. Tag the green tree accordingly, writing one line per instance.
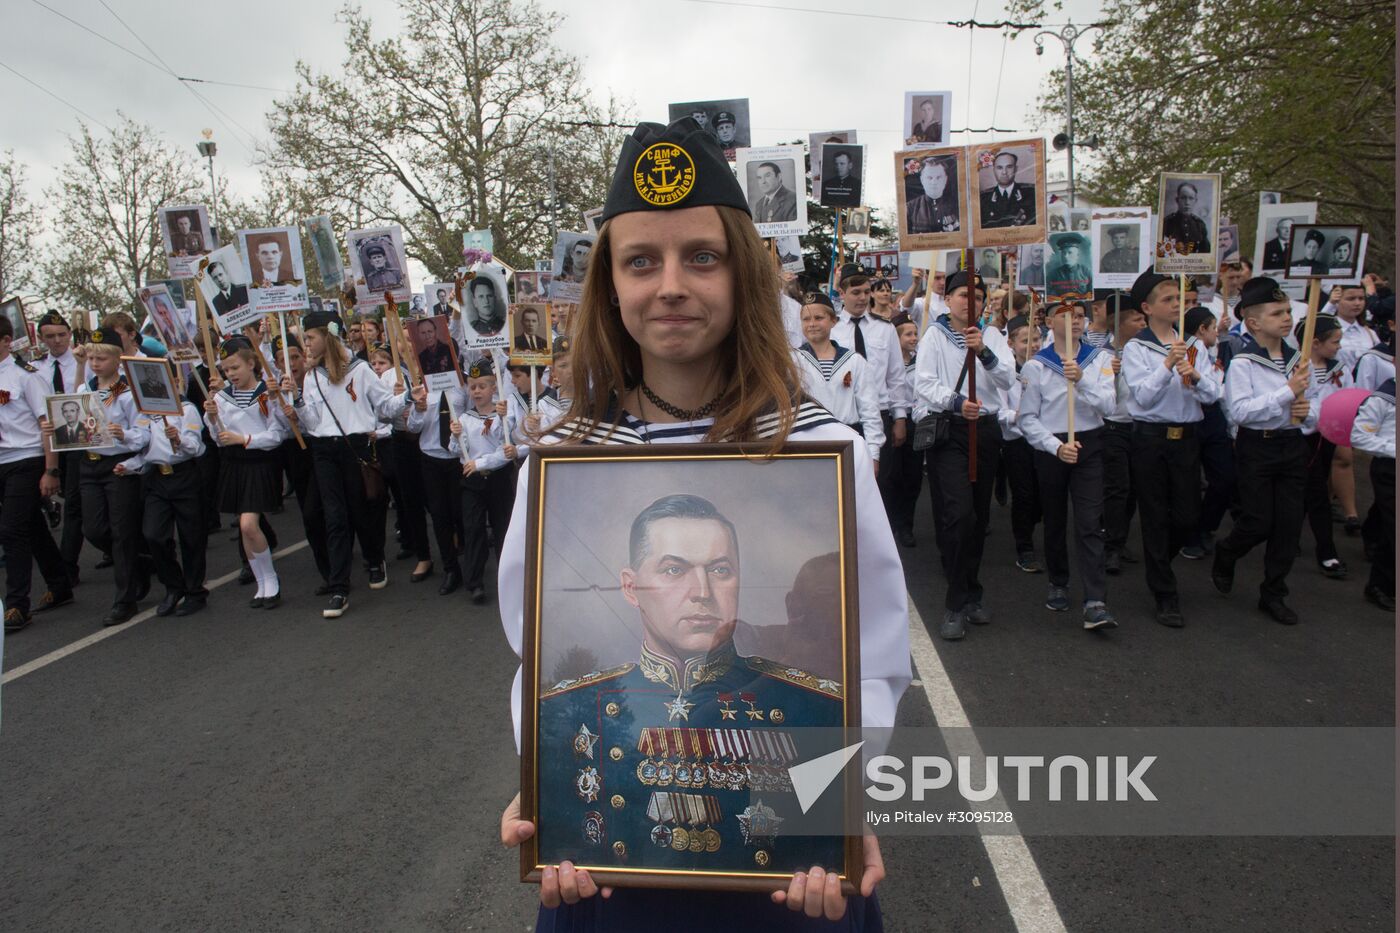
(19, 220)
(449, 126)
(1279, 95)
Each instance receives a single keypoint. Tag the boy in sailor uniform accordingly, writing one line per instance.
(488, 474)
(837, 377)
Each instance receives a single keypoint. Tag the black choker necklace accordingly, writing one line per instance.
(701, 412)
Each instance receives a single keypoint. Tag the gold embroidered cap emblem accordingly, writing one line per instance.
(664, 174)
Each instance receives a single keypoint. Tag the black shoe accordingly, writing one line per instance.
(906, 538)
(1376, 597)
(1193, 552)
(417, 577)
(323, 589)
(1222, 574)
(1169, 612)
(405, 554)
(450, 582)
(52, 600)
(121, 612)
(1279, 610)
(337, 607)
(1334, 569)
(976, 614)
(16, 619)
(953, 627)
(105, 562)
(478, 595)
(191, 605)
(1028, 564)
(245, 576)
(255, 603)
(1351, 525)
(167, 605)
(1112, 563)
(378, 576)
(1057, 600)
(273, 601)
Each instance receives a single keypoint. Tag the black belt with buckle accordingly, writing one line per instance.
(1269, 434)
(1172, 432)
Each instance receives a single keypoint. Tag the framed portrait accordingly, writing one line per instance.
(815, 141)
(176, 288)
(1355, 277)
(187, 235)
(842, 167)
(527, 287)
(224, 283)
(530, 344)
(881, 262)
(13, 310)
(169, 324)
(1269, 197)
(572, 252)
(1227, 243)
(1121, 245)
(1188, 213)
(776, 188)
(592, 218)
(926, 116)
(931, 198)
(276, 273)
(1274, 229)
(378, 265)
(857, 223)
(1079, 219)
(436, 351)
(79, 421)
(1030, 266)
(671, 673)
(152, 381)
(321, 235)
(726, 120)
(417, 306)
(1057, 217)
(440, 298)
(331, 305)
(1068, 274)
(790, 253)
(1317, 251)
(481, 240)
(1009, 207)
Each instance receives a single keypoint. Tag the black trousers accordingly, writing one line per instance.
(1081, 482)
(347, 514)
(1019, 459)
(1218, 465)
(1119, 502)
(441, 480)
(484, 498)
(1383, 487)
(24, 534)
(963, 507)
(112, 522)
(1272, 474)
(404, 460)
(888, 477)
(71, 544)
(313, 515)
(175, 504)
(1317, 496)
(1166, 477)
(908, 480)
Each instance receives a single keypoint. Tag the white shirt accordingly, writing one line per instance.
(1374, 428)
(21, 407)
(262, 421)
(792, 320)
(940, 362)
(119, 407)
(882, 353)
(916, 311)
(1157, 394)
(360, 401)
(1357, 338)
(849, 394)
(425, 423)
(1044, 403)
(1373, 367)
(1326, 380)
(485, 439)
(160, 450)
(68, 366)
(1010, 431)
(1257, 393)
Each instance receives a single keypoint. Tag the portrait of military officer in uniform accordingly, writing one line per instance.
(378, 264)
(185, 237)
(678, 758)
(1276, 249)
(434, 353)
(932, 206)
(1008, 202)
(486, 312)
(770, 200)
(726, 120)
(1122, 253)
(1186, 224)
(380, 274)
(1068, 274)
(841, 175)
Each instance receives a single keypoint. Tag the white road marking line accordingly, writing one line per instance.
(1032, 908)
(73, 648)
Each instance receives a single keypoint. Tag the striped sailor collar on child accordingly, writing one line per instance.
(630, 430)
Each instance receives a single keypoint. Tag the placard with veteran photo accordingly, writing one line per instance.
(926, 116)
(529, 335)
(1009, 208)
(857, 223)
(1058, 214)
(187, 236)
(726, 120)
(224, 284)
(80, 422)
(591, 219)
(1068, 274)
(169, 324)
(572, 252)
(152, 381)
(485, 309)
(789, 253)
(1323, 251)
(776, 188)
(1355, 277)
(842, 167)
(431, 340)
(815, 141)
(929, 191)
(1271, 235)
(1227, 242)
(1188, 214)
(13, 310)
(690, 632)
(528, 287)
(440, 298)
(276, 275)
(176, 287)
(378, 264)
(1121, 238)
(323, 246)
(881, 262)
(1030, 266)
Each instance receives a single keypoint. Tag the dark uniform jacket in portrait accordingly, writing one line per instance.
(236, 298)
(383, 279)
(1121, 260)
(927, 215)
(187, 244)
(436, 359)
(1187, 228)
(667, 768)
(1275, 254)
(1016, 209)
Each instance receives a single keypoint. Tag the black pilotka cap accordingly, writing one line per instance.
(321, 319)
(676, 166)
(107, 337)
(232, 345)
(961, 279)
(562, 345)
(1326, 323)
(481, 368)
(1259, 290)
(1143, 287)
(815, 297)
(52, 319)
(292, 341)
(901, 317)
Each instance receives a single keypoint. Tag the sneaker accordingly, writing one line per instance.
(379, 576)
(1334, 569)
(976, 614)
(1169, 612)
(1112, 563)
(1097, 616)
(1027, 563)
(16, 619)
(953, 626)
(1193, 552)
(1279, 610)
(1376, 597)
(1057, 600)
(337, 607)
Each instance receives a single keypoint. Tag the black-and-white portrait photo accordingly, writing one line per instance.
(857, 222)
(1030, 266)
(572, 253)
(187, 235)
(1188, 214)
(776, 188)
(815, 141)
(529, 330)
(379, 264)
(1270, 197)
(439, 298)
(80, 422)
(932, 211)
(225, 287)
(1121, 250)
(789, 253)
(988, 264)
(418, 306)
(842, 165)
(1079, 219)
(169, 325)
(1120, 244)
(431, 340)
(13, 310)
(1227, 240)
(1323, 251)
(591, 219)
(1275, 230)
(1006, 188)
(1068, 273)
(485, 309)
(152, 380)
(926, 117)
(726, 120)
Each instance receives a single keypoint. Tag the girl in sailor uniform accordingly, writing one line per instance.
(249, 427)
(430, 421)
(398, 451)
(1328, 375)
(482, 439)
(836, 377)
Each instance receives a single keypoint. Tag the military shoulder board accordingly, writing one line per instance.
(796, 676)
(573, 683)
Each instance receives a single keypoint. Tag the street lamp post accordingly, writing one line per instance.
(1067, 36)
(207, 149)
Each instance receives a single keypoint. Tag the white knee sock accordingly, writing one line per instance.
(268, 583)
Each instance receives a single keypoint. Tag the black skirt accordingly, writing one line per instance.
(249, 480)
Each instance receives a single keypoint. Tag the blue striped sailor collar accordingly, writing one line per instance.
(1255, 353)
(629, 430)
(842, 354)
(1050, 356)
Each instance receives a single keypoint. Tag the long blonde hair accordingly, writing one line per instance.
(336, 358)
(756, 368)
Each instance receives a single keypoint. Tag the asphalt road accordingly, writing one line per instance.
(245, 770)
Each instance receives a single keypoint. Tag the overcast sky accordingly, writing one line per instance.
(803, 70)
